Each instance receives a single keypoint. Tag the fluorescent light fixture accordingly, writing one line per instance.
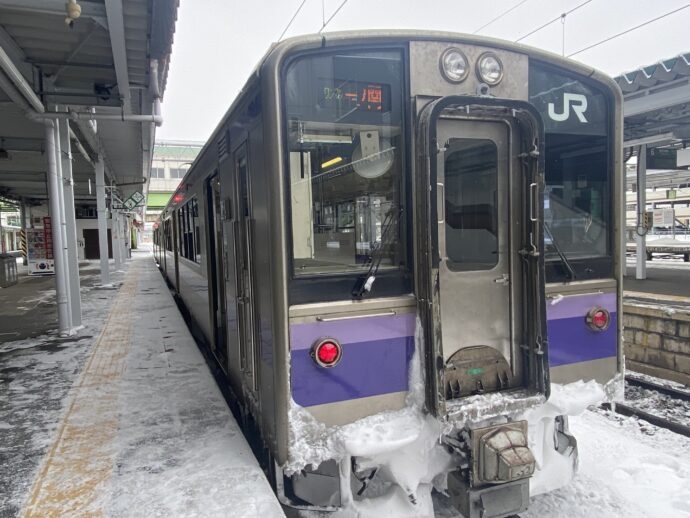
(331, 162)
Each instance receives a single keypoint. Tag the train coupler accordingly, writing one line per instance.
(495, 481)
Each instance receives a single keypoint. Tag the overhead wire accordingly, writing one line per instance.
(292, 20)
(500, 16)
(559, 17)
(332, 16)
(629, 30)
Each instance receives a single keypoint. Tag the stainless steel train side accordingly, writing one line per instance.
(262, 315)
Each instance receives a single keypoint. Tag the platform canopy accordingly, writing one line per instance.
(657, 103)
(106, 67)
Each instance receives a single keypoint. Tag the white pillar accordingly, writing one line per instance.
(641, 249)
(71, 224)
(54, 205)
(61, 223)
(116, 231)
(102, 221)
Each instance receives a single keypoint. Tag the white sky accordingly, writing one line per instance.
(218, 42)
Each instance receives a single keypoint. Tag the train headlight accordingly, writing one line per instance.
(454, 65)
(490, 68)
(598, 319)
(327, 352)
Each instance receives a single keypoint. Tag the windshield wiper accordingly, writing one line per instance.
(564, 259)
(365, 283)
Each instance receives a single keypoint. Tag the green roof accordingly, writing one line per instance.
(162, 152)
(158, 200)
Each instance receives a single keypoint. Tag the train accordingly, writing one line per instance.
(378, 204)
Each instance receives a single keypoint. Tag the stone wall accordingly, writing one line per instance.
(657, 341)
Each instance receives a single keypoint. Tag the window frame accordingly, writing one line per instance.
(309, 288)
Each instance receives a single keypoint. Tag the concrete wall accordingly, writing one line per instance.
(657, 341)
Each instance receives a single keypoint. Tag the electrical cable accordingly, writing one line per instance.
(332, 16)
(630, 30)
(500, 16)
(559, 17)
(292, 19)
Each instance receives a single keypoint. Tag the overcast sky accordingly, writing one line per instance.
(218, 42)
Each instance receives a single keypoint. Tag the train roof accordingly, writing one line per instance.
(279, 50)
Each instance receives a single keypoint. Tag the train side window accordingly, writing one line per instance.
(471, 184)
(188, 231)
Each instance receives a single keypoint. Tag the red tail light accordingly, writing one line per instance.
(327, 352)
(598, 319)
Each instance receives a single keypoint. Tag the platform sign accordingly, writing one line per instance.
(662, 158)
(135, 200)
(39, 249)
(663, 217)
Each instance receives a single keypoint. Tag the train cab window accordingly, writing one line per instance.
(578, 210)
(345, 142)
(471, 214)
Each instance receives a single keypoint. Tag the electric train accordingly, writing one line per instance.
(371, 198)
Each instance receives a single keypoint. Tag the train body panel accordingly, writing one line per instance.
(349, 211)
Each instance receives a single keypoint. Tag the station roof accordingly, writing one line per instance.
(103, 62)
(657, 103)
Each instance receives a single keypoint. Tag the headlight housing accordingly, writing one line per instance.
(454, 65)
(490, 68)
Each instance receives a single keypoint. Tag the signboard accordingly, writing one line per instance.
(663, 217)
(135, 200)
(661, 158)
(39, 249)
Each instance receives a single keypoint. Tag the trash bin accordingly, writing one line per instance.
(8, 270)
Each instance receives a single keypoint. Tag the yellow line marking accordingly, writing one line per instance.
(74, 472)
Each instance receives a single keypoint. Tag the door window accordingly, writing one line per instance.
(471, 213)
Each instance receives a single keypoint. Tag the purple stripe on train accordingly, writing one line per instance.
(570, 339)
(376, 357)
(303, 336)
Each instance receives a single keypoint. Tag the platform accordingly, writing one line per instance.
(123, 419)
(667, 282)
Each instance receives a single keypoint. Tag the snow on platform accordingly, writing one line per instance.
(143, 430)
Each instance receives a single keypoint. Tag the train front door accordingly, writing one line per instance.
(483, 221)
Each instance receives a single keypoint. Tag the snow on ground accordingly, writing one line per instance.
(36, 376)
(177, 451)
(623, 472)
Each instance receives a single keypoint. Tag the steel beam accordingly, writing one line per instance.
(88, 9)
(116, 29)
(656, 140)
(651, 101)
(71, 224)
(102, 221)
(16, 54)
(74, 52)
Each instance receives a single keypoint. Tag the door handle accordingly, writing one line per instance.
(440, 202)
(322, 318)
(504, 279)
(532, 201)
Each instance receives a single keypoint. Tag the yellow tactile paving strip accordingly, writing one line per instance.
(79, 463)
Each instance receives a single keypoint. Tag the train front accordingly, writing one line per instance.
(451, 239)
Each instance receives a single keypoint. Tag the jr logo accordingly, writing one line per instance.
(578, 102)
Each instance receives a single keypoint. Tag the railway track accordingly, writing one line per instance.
(662, 422)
